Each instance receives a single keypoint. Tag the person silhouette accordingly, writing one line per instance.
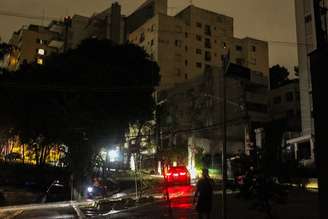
(203, 195)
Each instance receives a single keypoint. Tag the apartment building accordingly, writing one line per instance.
(306, 38)
(193, 110)
(34, 42)
(108, 24)
(186, 44)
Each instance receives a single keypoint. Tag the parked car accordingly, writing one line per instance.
(178, 175)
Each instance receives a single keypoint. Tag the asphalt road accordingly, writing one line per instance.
(300, 205)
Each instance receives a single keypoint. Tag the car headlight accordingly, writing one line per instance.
(90, 189)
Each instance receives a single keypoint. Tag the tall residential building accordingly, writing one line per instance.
(186, 44)
(306, 38)
(34, 42)
(109, 24)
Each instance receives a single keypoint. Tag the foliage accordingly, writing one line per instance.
(278, 76)
(84, 98)
(4, 49)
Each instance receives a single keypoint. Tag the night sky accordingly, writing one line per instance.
(270, 20)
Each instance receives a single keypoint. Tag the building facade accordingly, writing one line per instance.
(306, 38)
(194, 39)
(34, 42)
(284, 101)
(193, 112)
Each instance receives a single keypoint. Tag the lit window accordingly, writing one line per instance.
(39, 61)
(41, 52)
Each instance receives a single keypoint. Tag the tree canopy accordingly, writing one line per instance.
(278, 76)
(84, 98)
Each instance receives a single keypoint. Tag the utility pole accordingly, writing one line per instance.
(225, 62)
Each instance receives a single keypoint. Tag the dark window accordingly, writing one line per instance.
(152, 42)
(308, 18)
(198, 51)
(239, 48)
(199, 25)
(239, 61)
(186, 76)
(254, 48)
(208, 43)
(277, 100)
(186, 48)
(289, 97)
(304, 151)
(142, 37)
(198, 38)
(207, 30)
(186, 62)
(208, 56)
(178, 43)
(186, 34)
(198, 64)
(256, 107)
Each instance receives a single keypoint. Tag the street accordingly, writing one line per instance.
(300, 205)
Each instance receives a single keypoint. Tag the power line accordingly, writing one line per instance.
(28, 16)
(36, 17)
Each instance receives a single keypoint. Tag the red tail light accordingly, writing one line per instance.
(175, 174)
(182, 173)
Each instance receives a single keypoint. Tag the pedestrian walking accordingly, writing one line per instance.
(203, 195)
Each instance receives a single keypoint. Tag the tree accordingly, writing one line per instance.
(85, 98)
(4, 49)
(278, 76)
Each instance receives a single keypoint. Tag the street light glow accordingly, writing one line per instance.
(113, 155)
